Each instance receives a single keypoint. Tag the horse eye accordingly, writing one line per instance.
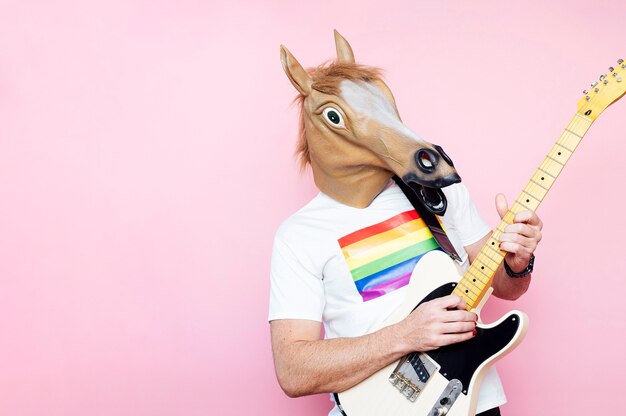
(333, 116)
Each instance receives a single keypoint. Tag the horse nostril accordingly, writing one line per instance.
(426, 160)
(443, 154)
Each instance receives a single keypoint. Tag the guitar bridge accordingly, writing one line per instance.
(411, 375)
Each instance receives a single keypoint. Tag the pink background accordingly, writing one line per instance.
(146, 160)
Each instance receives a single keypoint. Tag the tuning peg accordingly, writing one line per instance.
(585, 92)
(611, 69)
(606, 81)
(602, 77)
(594, 83)
(620, 61)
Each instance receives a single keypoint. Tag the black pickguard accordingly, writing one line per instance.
(460, 361)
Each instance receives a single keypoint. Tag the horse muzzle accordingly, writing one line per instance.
(427, 183)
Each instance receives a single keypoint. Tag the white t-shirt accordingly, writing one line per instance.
(348, 267)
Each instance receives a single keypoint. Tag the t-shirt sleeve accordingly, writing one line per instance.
(296, 288)
(470, 225)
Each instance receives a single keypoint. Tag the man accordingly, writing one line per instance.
(326, 264)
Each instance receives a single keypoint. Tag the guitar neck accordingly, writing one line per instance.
(478, 277)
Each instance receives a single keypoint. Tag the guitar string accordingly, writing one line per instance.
(550, 165)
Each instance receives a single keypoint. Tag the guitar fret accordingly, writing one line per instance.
(467, 291)
(543, 179)
(477, 284)
(497, 251)
(574, 133)
(550, 157)
(465, 294)
(487, 262)
(495, 261)
(561, 149)
(546, 165)
(532, 180)
(585, 118)
(564, 147)
(493, 250)
(483, 273)
(537, 191)
(569, 140)
(547, 173)
(531, 196)
(474, 272)
(521, 205)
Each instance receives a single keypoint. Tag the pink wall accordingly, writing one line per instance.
(145, 162)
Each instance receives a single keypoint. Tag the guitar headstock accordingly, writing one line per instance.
(610, 88)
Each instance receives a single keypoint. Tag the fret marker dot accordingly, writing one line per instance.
(482, 267)
(466, 291)
(493, 243)
(474, 280)
(542, 178)
(559, 153)
(528, 200)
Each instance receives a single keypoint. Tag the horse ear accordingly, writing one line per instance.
(344, 51)
(297, 75)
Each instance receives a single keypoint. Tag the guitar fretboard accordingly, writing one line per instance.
(477, 279)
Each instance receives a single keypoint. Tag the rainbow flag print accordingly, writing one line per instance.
(381, 257)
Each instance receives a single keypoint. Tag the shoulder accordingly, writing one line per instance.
(311, 229)
(299, 221)
(458, 197)
(462, 215)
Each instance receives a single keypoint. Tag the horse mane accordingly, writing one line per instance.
(326, 79)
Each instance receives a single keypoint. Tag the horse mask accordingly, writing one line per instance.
(352, 135)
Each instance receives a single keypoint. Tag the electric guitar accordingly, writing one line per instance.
(446, 381)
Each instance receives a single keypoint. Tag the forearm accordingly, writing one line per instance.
(509, 288)
(306, 365)
(334, 365)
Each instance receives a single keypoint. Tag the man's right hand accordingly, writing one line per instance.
(436, 323)
(307, 365)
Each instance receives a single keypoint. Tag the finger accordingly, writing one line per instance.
(517, 249)
(528, 217)
(458, 327)
(528, 242)
(524, 230)
(460, 316)
(501, 205)
(447, 339)
(450, 302)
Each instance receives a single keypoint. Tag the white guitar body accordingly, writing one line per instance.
(435, 275)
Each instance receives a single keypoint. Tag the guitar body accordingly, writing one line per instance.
(442, 381)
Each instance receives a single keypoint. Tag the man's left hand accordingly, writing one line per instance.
(519, 239)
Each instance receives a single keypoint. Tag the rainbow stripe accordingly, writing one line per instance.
(381, 257)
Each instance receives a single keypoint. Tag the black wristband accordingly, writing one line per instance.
(528, 270)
